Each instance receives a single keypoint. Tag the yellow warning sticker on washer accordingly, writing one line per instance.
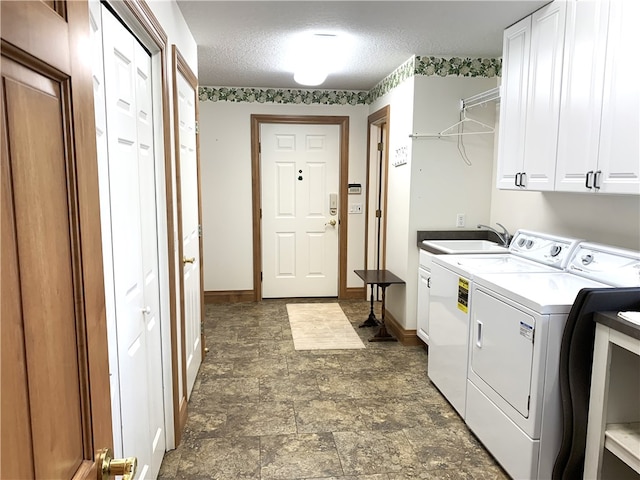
(463, 294)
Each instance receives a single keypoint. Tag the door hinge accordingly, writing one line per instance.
(380, 146)
(378, 213)
(200, 230)
(260, 276)
(528, 402)
(259, 147)
(260, 214)
(197, 127)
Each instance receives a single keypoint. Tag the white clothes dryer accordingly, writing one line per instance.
(513, 398)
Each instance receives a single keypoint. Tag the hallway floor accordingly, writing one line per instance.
(262, 410)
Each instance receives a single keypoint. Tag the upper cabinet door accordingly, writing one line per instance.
(581, 107)
(513, 106)
(543, 105)
(619, 153)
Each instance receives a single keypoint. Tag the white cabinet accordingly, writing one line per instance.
(581, 107)
(599, 143)
(424, 285)
(532, 74)
(619, 152)
(513, 104)
(570, 108)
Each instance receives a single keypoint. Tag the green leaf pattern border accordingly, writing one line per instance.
(417, 65)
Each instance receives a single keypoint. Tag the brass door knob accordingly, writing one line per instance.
(331, 222)
(186, 260)
(108, 466)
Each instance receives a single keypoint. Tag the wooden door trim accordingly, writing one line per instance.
(34, 52)
(256, 184)
(151, 33)
(377, 118)
(180, 66)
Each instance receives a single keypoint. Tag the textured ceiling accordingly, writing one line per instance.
(247, 43)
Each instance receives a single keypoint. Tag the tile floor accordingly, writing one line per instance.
(262, 410)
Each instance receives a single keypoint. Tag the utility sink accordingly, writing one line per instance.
(465, 246)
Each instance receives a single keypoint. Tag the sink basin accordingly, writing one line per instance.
(465, 246)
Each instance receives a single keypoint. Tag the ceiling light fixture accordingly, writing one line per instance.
(315, 56)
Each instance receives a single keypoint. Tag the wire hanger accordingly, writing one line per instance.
(464, 120)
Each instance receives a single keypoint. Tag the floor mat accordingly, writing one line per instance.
(321, 326)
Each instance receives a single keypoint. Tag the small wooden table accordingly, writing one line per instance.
(382, 278)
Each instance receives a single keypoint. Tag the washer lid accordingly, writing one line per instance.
(541, 292)
(470, 265)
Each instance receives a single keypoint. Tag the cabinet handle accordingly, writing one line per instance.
(429, 282)
(596, 179)
(523, 179)
(517, 179)
(587, 181)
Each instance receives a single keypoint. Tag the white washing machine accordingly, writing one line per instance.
(513, 396)
(450, 303)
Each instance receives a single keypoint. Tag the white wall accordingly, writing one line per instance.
(435, 184)
(442, 184)
(400, 101)
(225, 155)
(178, 33)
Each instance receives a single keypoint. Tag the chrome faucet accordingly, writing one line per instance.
(505, 236)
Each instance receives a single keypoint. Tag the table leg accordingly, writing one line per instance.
(382, 335)
(371, 321)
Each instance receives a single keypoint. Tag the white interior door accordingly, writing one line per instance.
(300, 191)
(128, 203)
(190, 228)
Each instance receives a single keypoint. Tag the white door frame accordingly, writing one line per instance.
(146, 28)
(256, 122)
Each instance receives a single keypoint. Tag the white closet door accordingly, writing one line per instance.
(190, 228)
(132, 207)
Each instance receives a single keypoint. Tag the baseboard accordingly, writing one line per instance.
(405, 337)
(354, 293)
(228, 296)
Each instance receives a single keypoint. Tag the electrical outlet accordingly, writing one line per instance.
(460, 220)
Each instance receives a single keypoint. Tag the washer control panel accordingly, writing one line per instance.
(544, 248)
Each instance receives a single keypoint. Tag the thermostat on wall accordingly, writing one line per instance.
(355, 188)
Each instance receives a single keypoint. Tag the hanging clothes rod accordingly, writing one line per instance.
(480, 98)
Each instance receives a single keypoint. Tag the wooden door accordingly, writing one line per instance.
(189, 219)
(300, 177)
(55, 380)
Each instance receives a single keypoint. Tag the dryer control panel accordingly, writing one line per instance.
(611, 265)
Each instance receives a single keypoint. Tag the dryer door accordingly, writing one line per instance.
(502, 349)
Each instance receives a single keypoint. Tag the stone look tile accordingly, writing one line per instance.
(262, 410)
(328, 416)
(222, 458)
(258, 419)
(369, 452)
(286, 457)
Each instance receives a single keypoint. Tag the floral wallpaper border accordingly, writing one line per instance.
(417, 65)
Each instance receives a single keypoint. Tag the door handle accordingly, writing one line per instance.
(186, 260)
(479, 334)
(108, 466)
(331, 222)
(146, 310)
